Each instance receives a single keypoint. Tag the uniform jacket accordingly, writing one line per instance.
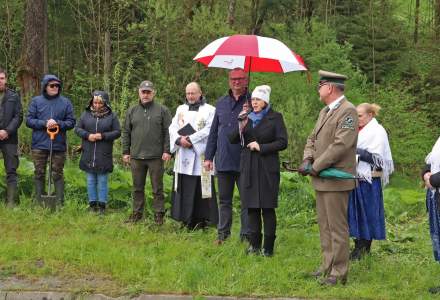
(227, 155)
(332, 143)
(97, 157)
(260, 170)
(145, 132)
(43, 108)
(11, 116)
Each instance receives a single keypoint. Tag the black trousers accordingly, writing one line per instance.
(226, 184)
(10, 160)
(269, 221)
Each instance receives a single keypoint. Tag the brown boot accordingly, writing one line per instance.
(134, 217)
(158, 218)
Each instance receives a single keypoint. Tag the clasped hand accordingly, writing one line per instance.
(254, 146)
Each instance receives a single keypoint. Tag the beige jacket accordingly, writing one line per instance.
(333, 144)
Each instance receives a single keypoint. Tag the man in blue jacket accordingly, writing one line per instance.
(49, 110)
(227, 155)
(11, 116)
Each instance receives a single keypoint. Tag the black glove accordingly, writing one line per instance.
(305, 168)
(364, 155)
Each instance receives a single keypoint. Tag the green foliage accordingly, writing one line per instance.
(75, 250)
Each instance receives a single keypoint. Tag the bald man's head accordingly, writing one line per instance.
(193, 92)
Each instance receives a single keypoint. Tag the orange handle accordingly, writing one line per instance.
(53, 131)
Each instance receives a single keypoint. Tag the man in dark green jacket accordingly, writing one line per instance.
(145, 146)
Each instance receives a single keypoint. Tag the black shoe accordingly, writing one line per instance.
(101, 208)
(269, 242)
(253, 251)
(93, 206)
(244, 238)
(435, 290)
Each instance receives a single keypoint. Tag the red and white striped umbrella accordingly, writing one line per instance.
(252, 53)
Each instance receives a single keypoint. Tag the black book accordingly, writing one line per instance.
(186, 130)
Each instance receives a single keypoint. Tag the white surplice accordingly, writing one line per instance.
(189, 161)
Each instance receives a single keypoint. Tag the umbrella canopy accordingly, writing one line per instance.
(252, 53)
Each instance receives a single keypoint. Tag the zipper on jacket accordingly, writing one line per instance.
(94, 150)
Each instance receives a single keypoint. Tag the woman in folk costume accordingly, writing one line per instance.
(431, 177)
(193, 198)
(366, 217)
(262, 135)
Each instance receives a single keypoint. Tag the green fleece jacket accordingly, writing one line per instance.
(145, 132)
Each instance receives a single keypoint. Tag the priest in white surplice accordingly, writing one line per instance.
(193, 199)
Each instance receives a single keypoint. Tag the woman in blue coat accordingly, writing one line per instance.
(98, 127)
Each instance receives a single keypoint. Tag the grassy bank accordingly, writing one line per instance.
(105, 255)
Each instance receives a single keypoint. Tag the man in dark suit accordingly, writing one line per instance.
(332, 144)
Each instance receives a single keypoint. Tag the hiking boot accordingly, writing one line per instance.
(134, 217)
(11, 195)
(159, 218)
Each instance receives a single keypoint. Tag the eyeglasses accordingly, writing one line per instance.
(237, 78)
(146, 92)
(54, 85)
(321, 84)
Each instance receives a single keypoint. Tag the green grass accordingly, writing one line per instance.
(73, 244)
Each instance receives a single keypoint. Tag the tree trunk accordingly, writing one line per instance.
(437, 19)
(309, 14)
(107, 60)
(33, 59)
(231, 12)
(416, 22)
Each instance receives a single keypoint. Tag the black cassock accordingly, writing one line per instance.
(188, 206)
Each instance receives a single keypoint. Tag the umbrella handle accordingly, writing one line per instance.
(53, 131)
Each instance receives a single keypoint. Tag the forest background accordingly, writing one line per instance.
(389, 48)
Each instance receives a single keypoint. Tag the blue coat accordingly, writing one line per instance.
(45, 107)
(227, 155)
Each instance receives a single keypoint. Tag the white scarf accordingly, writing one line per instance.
(374, 139)
(433, 158)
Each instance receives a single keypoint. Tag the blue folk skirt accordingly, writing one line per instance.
(366, 219)
(434, 221)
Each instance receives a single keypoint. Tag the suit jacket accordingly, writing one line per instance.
(333, 144)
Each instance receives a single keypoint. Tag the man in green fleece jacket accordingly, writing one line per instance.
(145, 146)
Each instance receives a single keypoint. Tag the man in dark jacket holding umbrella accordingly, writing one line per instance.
(47, 111)
(332, 144)
(227, 155)
(11, 116)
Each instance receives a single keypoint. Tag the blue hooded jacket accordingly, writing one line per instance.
(45, 107)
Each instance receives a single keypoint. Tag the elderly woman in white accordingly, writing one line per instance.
(366, 217)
